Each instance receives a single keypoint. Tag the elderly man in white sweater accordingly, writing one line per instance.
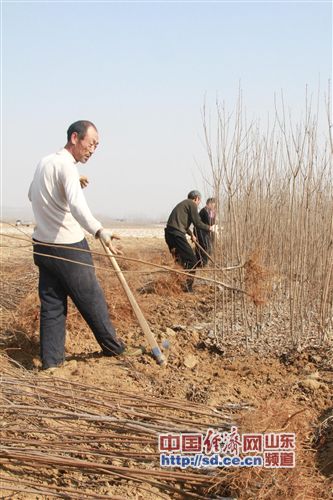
(61, 211)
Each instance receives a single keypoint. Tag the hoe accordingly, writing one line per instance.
(155, 350)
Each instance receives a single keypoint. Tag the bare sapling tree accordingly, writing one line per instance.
(274, 192)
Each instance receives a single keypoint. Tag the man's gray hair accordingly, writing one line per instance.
(192, 195)
(80, 127)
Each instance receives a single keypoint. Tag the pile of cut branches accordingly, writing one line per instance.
(54, 430)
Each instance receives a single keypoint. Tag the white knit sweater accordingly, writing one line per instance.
(58, 203)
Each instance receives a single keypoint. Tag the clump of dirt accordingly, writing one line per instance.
(197, 393)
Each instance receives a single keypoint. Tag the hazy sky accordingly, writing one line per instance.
(141, 71)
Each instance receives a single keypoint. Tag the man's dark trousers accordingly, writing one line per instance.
(59, 279)
(184, 255)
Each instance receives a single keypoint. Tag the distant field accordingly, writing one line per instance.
(125, 231)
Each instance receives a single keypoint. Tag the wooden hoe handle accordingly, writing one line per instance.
(156, 352)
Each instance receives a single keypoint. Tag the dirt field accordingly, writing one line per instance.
(264, 387)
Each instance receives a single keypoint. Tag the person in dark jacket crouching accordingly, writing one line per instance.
(178, 226)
